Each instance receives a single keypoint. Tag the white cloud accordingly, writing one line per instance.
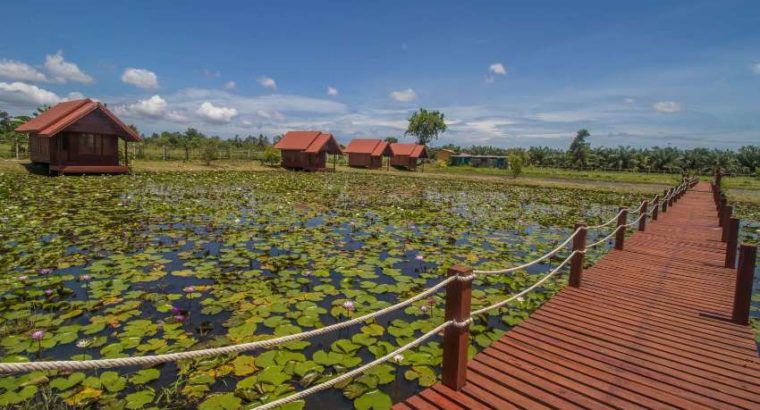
(756, 68)
(270, 115)
(153, 107)
(63, 71)
(267, 82)
(629, 101)
(140, 77)
(230, 85)
(404, 95)
(76, 95)
(214, 114)
(246, 123)
(497, 68)
(667, 106)
(176, 116)
(210, 74)
(332, 91)
(27, 95)
(16, 70)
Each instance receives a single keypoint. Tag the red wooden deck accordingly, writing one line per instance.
(90, 169)
(648, 328)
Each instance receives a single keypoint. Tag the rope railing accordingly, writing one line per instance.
(531, 263)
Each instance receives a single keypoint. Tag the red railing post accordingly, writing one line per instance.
(620, 234)
(732, 241)
(745, 274)
(672, 197)
(728, 212)
(576, 264)
(665, 201)
(655, 207)
(643, 214)
(456, 339)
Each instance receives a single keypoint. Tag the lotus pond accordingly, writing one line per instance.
(116, 266)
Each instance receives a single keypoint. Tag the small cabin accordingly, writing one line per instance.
(444, 155)
(307, 150)
(367, 153)
(407, 155)
(79, 137)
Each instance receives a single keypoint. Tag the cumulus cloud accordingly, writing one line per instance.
(140, 77)
(63, 71)
(404, 95)
(16, 70)
(230, 85)
(497, 69)
(332, 91)
(267, 82)
(214, 114)
(176, 116)
(667, 107)
(27, 95)
(153, 107)
(76, 95)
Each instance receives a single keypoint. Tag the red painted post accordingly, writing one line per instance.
(665, 201)
(643, 214)
(576, 265)
(732, 241)
(728, 212)
(745, 274)
(672, 197)
(456, 339)
(722, 209)
(655, 207)
(620, 234)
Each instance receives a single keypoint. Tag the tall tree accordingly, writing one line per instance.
(579, 148)
(188, 140)
(426, 125)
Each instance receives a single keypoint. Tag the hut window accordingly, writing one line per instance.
(90, 144)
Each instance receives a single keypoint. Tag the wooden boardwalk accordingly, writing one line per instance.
(648, 328)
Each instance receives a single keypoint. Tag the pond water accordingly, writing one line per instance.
(156, 263)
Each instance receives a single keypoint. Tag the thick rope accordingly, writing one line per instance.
(608, 223)
(526, 290)
(73, 365)
(348, 375)
(531, 263)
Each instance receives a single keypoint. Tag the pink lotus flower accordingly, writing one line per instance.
(22, 278)
(176, 310)
(38, 335)
(179, 318)
(45, 271)
(189, 289)
(424, 308)
(307, 273)
(48, 292)
(419, 258)
(85, 278)
(349, 305)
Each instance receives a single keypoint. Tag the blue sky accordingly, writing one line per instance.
(505, 73)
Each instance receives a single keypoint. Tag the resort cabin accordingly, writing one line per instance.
(367, 153)
(444, 155)
(407, 155)
(78, 137)
(478, 161)
(307, 150)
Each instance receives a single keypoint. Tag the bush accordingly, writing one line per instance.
(209, 150)
(516, 162)
(271, 156)
(441, 164)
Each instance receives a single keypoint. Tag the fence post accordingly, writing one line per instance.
(456, 339)
(665, 201)
(672, 197)
(576, 264)
(643, 214)
(732, 241)
(620, 234)
(655, 207)
(728, 212)
(745, 274)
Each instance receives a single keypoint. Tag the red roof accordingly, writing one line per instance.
(309, 141)
(374, 147)
(411, 150)
(60, 116)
